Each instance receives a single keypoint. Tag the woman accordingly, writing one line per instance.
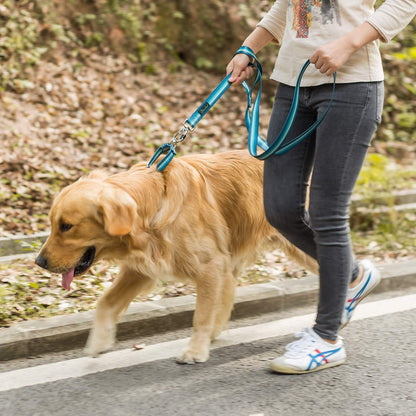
(337, 37)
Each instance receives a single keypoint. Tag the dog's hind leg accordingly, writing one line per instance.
(208, 302)
(111, 305)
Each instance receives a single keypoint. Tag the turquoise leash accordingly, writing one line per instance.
(251, 118)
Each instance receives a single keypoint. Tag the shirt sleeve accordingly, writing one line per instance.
(275, 20)
(392, 17)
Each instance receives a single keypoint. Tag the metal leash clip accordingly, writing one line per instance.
(168, 149)
(180, 136)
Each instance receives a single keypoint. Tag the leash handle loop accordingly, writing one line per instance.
(252, 116)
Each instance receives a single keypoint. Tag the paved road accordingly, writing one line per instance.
(378, 379)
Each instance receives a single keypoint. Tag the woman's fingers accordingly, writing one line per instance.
(239, 69)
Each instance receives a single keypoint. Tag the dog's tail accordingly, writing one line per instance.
(295, 254)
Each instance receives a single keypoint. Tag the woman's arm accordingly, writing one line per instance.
(392, 17)
(330, 57)
(270, 28)
(387, 21)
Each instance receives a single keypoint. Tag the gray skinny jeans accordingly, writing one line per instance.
(334, 154)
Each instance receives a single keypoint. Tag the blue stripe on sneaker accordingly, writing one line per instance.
(351, 305)
(323, 355)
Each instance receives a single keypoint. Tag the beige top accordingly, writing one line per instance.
(301, 26)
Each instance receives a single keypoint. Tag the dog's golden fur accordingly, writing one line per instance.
(201, 218)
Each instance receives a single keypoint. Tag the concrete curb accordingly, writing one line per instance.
(20, 244)
(63, 333)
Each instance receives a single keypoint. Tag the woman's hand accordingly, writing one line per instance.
(331, 56)
(239, 68)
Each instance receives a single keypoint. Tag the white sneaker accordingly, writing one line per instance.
(309, 353)
(371, 278)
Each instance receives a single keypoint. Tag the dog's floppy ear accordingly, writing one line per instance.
(119, 210)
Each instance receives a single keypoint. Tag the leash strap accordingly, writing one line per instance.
(251, 118)
(278, 147)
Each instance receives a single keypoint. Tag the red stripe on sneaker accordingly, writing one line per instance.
(322, 355)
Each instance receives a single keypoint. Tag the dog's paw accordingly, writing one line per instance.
(189, 356)
(99, 342)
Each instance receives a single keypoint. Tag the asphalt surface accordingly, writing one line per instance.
(379, 377)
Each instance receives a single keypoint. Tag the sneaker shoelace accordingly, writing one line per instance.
(304, 344)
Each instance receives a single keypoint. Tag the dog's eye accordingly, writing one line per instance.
(65, 227)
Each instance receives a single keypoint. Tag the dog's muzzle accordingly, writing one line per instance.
(42, 262)
(84, 263)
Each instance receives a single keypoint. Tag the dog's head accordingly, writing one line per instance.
(88, 221)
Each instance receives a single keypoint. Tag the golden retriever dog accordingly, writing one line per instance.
(201, 218)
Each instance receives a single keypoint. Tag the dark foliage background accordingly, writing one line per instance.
(88, 84)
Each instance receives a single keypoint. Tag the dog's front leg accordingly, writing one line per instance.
(208, 301)
(103, 333)
(109, 307)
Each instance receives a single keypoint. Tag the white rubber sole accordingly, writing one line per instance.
(290, 370)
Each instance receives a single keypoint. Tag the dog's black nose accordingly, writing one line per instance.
(42, 262)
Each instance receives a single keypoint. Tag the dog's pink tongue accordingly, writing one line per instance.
(67, 279)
